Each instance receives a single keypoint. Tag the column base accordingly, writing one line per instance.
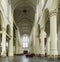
(3, 54)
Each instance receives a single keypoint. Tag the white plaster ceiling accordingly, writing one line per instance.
(24, 13)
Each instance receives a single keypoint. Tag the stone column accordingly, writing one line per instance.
(42, 43)
(17, 47)
(11, 49)
(17, 43)
(11, 19)
(53, 33)
(3, 53)
(37, 47)
(34, 39)
(48, 46)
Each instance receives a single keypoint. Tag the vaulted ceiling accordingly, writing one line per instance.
(24, 14)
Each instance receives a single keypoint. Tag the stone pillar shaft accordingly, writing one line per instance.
(37, 47)
(17, 45)
(3, 53)
(11, 49)
(53, 33)
(34, 40)
(10, 53)
(48, 46)
(42, 47)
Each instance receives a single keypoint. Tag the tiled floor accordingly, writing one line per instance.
(24, 59)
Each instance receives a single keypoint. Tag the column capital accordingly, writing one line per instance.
(53, 12)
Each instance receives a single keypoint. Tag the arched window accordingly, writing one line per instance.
(25, 40)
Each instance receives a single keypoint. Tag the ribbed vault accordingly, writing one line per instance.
(24, 13)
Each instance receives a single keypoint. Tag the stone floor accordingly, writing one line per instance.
(24, 59)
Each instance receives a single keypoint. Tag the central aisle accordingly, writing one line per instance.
(26, 59)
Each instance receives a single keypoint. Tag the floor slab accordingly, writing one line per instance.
(26, 59)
